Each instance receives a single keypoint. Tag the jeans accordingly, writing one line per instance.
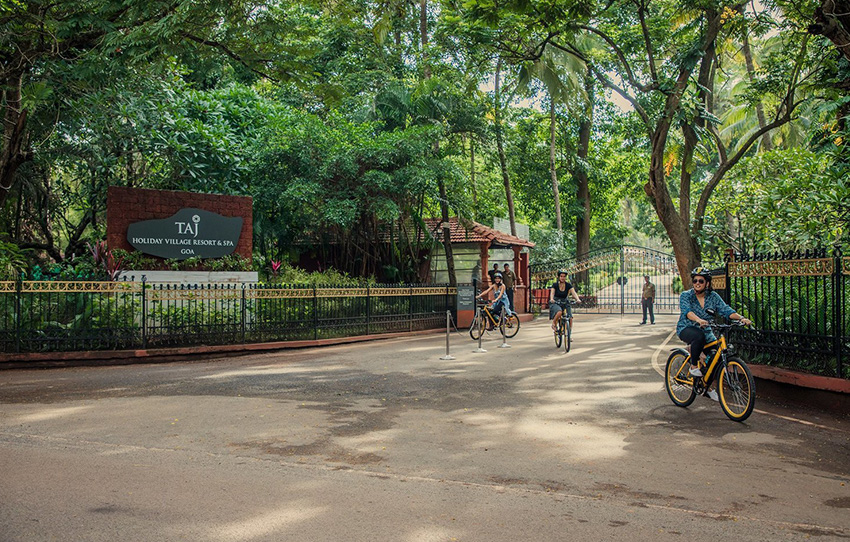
(647, 306)
(695, 337)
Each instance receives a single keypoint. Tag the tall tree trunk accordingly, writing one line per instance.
(14, 150)
(441, 182)
(423, 32)
(582, 178)
(553, 170)
(766, 144)
(503, 163)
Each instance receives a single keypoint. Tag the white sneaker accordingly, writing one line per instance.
(695, 371)
(712, 394)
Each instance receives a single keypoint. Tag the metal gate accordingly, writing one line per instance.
(610, 280)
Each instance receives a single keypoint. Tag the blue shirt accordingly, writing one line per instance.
(688, 302)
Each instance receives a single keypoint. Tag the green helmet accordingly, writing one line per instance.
(701, 272)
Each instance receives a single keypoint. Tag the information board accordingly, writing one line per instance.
(465, 298)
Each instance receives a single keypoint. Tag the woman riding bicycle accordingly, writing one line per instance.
(501, 296)
(559, 295)
(694, 305)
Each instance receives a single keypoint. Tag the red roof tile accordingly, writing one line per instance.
(469, 231)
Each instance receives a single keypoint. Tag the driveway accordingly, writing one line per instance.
(384, 441)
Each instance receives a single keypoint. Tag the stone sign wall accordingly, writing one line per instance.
(179, 225)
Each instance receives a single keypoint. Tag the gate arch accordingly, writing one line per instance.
(610, 280)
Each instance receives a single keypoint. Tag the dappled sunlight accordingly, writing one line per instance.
(275, 521)
(275, 370)
(371, 442)
(488, 420)
(584, 441)
(411, 349)
(46, 414)
(429, 534)
(751, 438)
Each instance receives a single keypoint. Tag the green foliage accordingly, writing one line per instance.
(287, 274)
(13, 261)
(792, 199)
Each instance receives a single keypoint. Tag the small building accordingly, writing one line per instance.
(475, 248)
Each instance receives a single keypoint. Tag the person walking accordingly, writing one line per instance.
(509, 278)
(648, 300)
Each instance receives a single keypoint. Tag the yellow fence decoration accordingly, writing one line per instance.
(816, 267)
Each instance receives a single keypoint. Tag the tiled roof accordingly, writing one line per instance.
(469, 231)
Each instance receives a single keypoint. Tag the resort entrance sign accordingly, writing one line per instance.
(189, 233)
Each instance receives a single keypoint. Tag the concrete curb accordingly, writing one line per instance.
(786, 386)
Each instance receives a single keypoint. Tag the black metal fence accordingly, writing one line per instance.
(49, 316)
(798, 303)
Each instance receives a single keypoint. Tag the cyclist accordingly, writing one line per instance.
(559, 295)
(693, 319)
(501, 297)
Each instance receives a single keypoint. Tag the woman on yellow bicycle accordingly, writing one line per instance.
(694, 305)
(559, 295)
(501, 296)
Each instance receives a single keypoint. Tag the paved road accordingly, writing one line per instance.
(384, 441)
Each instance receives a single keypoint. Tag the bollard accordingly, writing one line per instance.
(502, 329)
(479, 350)
(448, 356)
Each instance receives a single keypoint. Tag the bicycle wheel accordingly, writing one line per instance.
(476, 328)
(737, 389)
(510, 325)
(568, 335)
(678, 382)
(558, 336)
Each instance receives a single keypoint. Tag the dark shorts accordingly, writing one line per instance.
(556, 307)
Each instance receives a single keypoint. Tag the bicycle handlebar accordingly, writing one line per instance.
(735, 323)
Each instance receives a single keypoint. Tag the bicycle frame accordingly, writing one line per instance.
(486, 310)
(712, 364)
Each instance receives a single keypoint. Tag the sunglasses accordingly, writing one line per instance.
(699, 281)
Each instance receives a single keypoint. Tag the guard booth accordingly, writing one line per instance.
(476, 248)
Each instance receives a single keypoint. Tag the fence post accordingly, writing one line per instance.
(144, 313)
(730, 255)
(623, 281)
(315, 313)
(368, 311)
(18, 289)
(244, 309)
(837, 312)
(410, 311)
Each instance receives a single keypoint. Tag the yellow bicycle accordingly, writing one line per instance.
(736, 387)
(486, 320)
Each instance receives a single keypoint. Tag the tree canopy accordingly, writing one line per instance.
(693, 125)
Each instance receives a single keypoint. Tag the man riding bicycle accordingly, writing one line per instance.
(559, 295)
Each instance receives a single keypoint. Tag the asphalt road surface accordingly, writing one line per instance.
(384, 441)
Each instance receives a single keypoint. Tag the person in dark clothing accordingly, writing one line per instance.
(492, 272)
(559, 305)
(648, 300)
